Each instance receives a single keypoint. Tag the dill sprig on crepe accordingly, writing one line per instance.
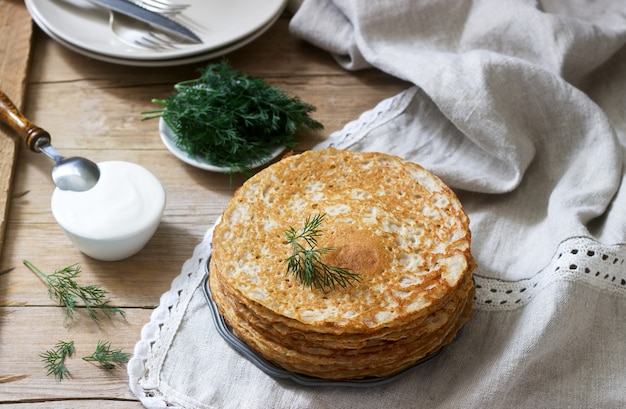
(306, 263)
(233, 120)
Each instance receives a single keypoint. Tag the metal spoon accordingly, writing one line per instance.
(75, 173)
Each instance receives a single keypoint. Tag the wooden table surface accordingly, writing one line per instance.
(93, 109)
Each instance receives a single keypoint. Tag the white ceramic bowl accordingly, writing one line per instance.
(116, 218)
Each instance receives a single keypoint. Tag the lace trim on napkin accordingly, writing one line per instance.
(581, 260)
(577, 259)
(158, 334)
(385, 111)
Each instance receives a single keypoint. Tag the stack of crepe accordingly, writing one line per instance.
(396, 225)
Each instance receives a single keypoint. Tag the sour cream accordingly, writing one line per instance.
(116, 217)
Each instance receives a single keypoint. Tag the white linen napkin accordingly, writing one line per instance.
(519, 105)
(497, 110)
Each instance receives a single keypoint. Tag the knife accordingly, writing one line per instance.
(152, 18)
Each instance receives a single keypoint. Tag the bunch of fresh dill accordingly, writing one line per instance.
(230, 119)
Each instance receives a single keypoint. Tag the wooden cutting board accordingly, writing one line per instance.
(16, 31)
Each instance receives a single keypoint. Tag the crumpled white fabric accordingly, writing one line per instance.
(519, 106)
(497, 108)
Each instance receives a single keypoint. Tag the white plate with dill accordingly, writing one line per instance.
(169, 140)
(227, 121)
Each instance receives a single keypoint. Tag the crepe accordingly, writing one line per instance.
(396, 225)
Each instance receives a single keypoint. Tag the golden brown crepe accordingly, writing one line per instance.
(391, 221)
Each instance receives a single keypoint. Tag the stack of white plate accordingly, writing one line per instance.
(223, 26)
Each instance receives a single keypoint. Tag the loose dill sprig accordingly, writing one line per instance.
(306, 263)
(106, 357)
(231, 119)
(54, 359)
(63, 288)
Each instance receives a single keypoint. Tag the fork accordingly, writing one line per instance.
(139, 34)
(172, 10)
(142, 35)
(164, 7)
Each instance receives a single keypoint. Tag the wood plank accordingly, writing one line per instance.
(22, 367)
(16, 34)
(21, 287)
(338, 100)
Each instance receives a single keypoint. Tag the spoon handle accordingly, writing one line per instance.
(33, 135)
